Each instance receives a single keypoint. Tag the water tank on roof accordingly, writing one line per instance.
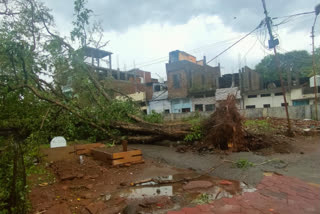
(311, 81)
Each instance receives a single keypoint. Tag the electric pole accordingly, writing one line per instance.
(317, 11)
(314, 74)
(272, 44)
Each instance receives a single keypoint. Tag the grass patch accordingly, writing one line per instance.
(243, 164)
(203, 198)
(258, 125)
(38, 175)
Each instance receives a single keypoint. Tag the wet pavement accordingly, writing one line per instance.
(275, 194)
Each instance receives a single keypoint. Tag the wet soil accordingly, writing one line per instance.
(94, 187)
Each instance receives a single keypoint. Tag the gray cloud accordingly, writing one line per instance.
(240, 15)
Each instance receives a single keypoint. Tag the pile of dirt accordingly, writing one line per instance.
(224, 128)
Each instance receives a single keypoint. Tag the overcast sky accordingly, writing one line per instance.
(143, 32)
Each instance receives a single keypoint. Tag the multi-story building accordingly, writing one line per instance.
(191, 83)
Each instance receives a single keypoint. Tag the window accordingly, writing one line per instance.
(252, 96)
(157, 88)
(198, 107)
(284, 104)
(122, 76)
(266, 106)
(176, 80)
(166, 111)
(278, 94)
(186, 110)
(250, 106)
(300, 102)
(210, 107)
(202, 79)
(265, 95)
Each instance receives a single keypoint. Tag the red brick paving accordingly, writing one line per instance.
(275, 194)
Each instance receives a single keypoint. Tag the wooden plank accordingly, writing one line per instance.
(99, 155)
(82, 149)
(122, 154)
(59, 153)
(127, 160)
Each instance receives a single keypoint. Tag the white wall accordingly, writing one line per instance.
(296, 94)
(159, 106)
(203, 101)
(274, 101)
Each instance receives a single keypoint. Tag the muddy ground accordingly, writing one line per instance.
(94, 187)
(172, 176)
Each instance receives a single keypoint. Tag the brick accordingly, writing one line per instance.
(228, 209)
(260, 186)
(251, 211)
(231, 201)
(307, 195)
(197, 185)
(175, 212)
(191, 210)
(205, 207)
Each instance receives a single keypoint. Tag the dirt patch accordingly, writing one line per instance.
(94, 187)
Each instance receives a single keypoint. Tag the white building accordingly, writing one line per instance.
(159, 102)
(265, 98)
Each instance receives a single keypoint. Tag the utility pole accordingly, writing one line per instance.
(317, 11)
(314, 74)
(272, 44)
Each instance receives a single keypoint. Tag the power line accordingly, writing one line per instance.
(261, 23)
(163, 59)
(297, 14)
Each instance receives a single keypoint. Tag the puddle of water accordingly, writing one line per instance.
(157, 180)
(177, 195)
(147, 192)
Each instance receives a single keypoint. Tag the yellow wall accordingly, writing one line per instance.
(138, 96)
(183, 56)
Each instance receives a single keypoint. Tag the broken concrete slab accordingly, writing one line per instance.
(197, 185)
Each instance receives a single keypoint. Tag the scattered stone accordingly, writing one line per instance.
(124, 184)
(64, 187)
(197, 184)
(68, 176)
(225, 182)
(97, 207)
(86, 195)
(107, 197)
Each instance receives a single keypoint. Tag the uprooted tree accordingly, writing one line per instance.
(35, 62)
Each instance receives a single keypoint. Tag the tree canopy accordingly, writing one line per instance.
(298, 62)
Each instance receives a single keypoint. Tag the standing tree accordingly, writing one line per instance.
(298, 62)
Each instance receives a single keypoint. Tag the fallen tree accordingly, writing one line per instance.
(224, 127)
